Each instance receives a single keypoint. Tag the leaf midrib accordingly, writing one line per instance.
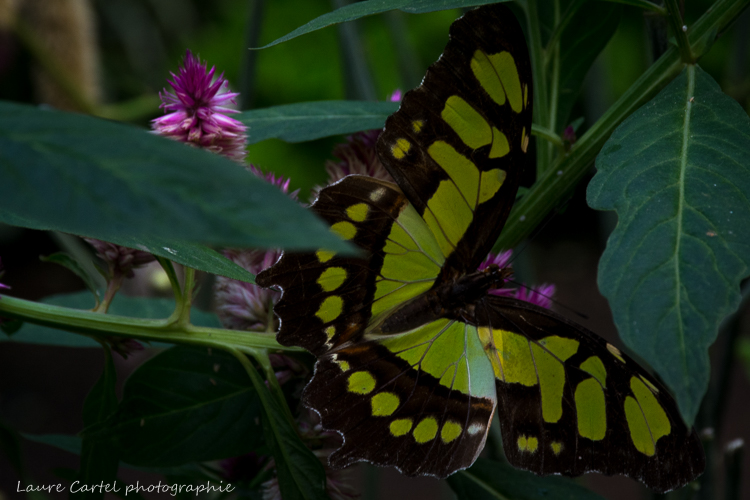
(681, 210)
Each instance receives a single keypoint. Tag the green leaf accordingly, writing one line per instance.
(10, 447)
(67, 261)
(641, 4)
(300, 473)
(357, 10)
(588, 32)
(193, 255)
(743, 352)
(494, 480)
(71, 444)
(677, 172)
(185, 405)
(99, 460)
(134, 307)
(307, 121)
(110, 181)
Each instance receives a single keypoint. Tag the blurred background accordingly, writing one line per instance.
(112, 57)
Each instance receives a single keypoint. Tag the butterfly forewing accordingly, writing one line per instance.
(329, 299)
(457, 144)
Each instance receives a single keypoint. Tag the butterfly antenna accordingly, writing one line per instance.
(550, 298)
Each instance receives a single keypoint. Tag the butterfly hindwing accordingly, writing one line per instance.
(569, 402)
(456, 146)
(421, 401)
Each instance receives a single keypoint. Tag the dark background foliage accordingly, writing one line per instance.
(42, 389)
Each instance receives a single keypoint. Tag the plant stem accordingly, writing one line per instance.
(539, 75)
(148, 330)
(554, 89)
(547, 134)
(261, 356)
(554, 38)
(187, 296)
(680, 32)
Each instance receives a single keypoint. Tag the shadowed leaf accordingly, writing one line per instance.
(677, 172)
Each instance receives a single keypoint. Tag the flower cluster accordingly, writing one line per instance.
(244, 306)
(120, 260)
(197, 111)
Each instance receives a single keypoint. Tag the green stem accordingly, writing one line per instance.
(555, 185)
(554, 90)
(113, 285)
(539, 75)
(148, 330)
(680, 32)
(248, 67)
(168, 267)
(546, 134)
(554, 38)
(187, 296)
(261, 356)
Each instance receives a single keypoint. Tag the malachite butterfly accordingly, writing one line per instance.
(414, 356)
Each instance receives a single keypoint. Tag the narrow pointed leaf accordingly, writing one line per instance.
(105, 180)
(184, 405)
(307, 121)
(67, 261)
(99, 461)
(357, 10)
(300, 473)
(488, 480)
(642, 4)
(677, 172)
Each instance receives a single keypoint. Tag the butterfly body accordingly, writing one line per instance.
(455, 300)
(414, 355)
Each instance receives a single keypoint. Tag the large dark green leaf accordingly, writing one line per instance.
(677, 172)
(493, 481)
(99, 460)
(307, 121)
(91, 177)
(134, 307)
(357, 10)
(184, 405)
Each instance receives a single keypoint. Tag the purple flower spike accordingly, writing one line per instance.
(244, 306)
(280, 182)
(120, 260)
(198, 113)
